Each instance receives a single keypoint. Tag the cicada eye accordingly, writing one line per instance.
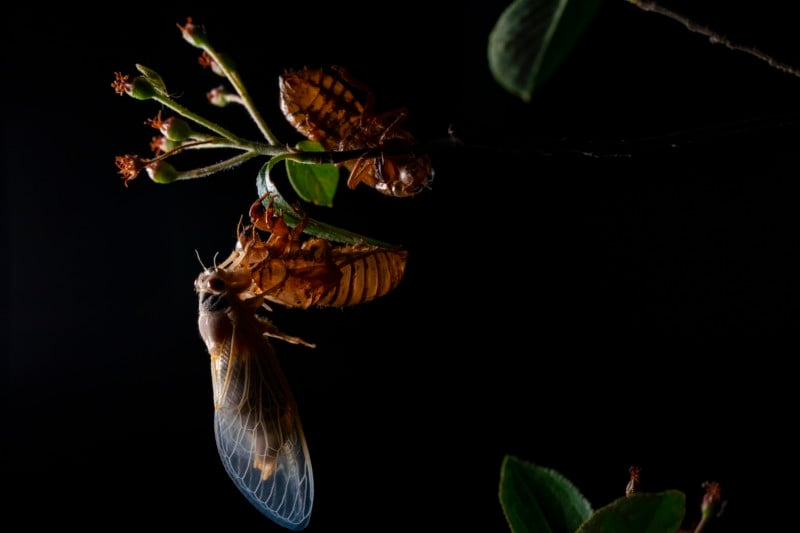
(216, 284)
(398, 189)
(210, 282)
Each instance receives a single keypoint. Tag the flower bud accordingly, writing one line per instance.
(711, 499)
(206, 61)
(633, 484)
(141, 89)
(129, 166)
(176, 129)
(160, 145)
(162, 172)
(194, 35)
(218, 97)
(226, 61)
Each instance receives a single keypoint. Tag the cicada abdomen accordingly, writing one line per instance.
(344, 276)
(324, 108)
(257, 425)
(367, 272)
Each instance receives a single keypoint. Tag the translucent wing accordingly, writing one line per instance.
(258, 431)
(259, 436)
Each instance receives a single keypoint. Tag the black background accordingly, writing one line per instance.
(585, 313)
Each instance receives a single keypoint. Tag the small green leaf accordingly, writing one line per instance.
(537, 499)
(639, 513)
(532, 37)
(313, 182)
(154, 78)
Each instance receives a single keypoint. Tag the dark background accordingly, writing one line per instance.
(585, 313)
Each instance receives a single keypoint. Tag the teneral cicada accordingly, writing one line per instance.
(258, 432)
(312, 272)
(324, 108)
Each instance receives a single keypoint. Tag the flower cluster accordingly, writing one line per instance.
(187, 130)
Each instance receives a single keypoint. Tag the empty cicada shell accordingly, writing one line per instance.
(324, 108)
(312, 272)
(259, 436)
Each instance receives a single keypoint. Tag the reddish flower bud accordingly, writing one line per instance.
(129, 166)
(139, 88)
(218, 96)
(633, 484)
(193, 34)
(711, 499)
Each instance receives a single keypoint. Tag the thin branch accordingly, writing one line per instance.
(713, 36)
(175, 106)
(217, 167)
(247, 102)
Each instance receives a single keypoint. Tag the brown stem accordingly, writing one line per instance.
(713, 36)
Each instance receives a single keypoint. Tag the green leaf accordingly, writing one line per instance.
(313, 182)
(540, 500)
(154, 78)
(639, 513)
(532, 37)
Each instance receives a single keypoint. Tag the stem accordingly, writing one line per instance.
(713, 36)
(235, 99)
(701, 526)
(219, 130)
(258, 148)
(247, 102)
(217, 167)
(217, 142)
(336, 157)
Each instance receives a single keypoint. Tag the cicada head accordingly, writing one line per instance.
(413, 175)
(396, 175)
(219, 281)
(220, 289)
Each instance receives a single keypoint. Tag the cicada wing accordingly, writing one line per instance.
(259, 436)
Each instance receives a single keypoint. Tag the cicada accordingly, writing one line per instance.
(324, 108)
(256, 422)
(312, 272)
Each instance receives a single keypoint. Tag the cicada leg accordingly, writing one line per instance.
(390, 123)
(283, 241)
(267, 328)
(361, 172)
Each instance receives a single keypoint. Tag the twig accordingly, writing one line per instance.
(713, 36)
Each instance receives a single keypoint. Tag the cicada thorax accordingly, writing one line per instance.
(324, 107)
(293, 271)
